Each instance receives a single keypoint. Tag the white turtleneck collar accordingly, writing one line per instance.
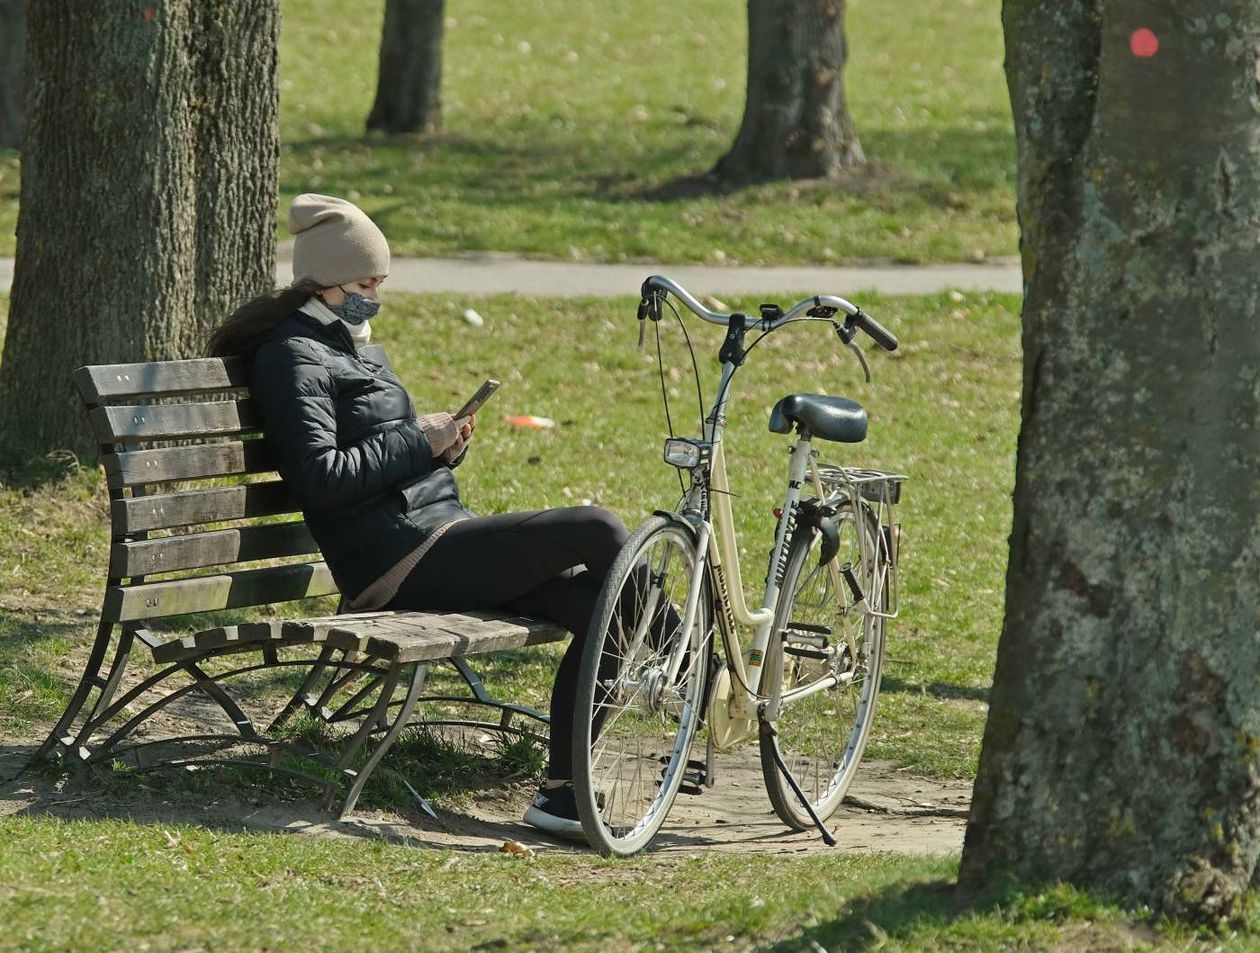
(360, 334)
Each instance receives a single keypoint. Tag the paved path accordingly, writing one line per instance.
(496, 273)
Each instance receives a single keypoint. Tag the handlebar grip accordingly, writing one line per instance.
(644, 308)
(882, 336)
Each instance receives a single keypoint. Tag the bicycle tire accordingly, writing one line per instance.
(820, 743)
(621, 813)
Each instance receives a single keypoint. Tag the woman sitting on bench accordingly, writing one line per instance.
(375, 481)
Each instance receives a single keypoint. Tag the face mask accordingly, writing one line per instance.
(356, 308)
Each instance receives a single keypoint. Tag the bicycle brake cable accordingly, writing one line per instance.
(695, 368)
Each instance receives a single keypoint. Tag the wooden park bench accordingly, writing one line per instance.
(194, 507)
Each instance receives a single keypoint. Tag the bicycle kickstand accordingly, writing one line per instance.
(768, 728)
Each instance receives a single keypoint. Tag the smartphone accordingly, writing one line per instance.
(476, 400)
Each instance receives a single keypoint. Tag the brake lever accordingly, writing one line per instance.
(644, 309)
(649, 307)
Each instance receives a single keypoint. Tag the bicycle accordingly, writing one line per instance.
(805, 687)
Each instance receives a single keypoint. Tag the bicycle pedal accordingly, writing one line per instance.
(695, 776)
(809, 627)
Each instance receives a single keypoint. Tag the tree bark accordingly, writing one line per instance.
(1121, 749)
(796, 122)
(409, 81)
(148, 194)
(12, 59)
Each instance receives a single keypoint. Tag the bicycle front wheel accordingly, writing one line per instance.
(821, 633)
(640, 690)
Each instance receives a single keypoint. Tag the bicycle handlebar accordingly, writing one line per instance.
(659, 284)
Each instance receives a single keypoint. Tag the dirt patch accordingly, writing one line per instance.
(886, 810)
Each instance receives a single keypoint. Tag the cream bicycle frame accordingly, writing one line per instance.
(718, 547)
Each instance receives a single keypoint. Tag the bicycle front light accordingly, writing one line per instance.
(686, 454)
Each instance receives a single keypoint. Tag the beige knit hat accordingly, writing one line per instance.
(334, 241)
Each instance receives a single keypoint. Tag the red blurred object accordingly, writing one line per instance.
(778, 512)
(1143, 42)
(529, 420)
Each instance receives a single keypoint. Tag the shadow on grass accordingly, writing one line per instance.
(24, 468)
(32, 692)
(509, 164)
(236, 798)
(890, 914)
(891, 683)
(865, 182)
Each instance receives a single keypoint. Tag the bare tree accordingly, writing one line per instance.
(12, 59)
(409, 81)
(796, 122)
(148, 194)
(1122, 743)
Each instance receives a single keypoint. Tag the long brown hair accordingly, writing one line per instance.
(252, 320)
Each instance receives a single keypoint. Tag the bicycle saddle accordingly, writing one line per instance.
(832, 418)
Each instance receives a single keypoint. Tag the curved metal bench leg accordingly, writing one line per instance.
(482, 697)
(377, 715)
(301, 696)
(225, 701)
(90, 679)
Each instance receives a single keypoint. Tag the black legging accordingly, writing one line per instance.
(529, 564)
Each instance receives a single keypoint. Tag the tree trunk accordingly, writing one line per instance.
(409, 83)
(796, 123)
(12, 58)
(1121, 750)
(148, 194)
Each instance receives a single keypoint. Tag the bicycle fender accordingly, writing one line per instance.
(677, 518)
(830, 531)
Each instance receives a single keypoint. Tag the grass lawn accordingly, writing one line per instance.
(566, 125)
(113, 885)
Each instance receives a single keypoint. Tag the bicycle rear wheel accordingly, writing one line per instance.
(634, 723)
(819, 632)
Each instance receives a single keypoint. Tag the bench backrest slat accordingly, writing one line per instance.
(145, 557)
(200, 461)
(102, 382)
(247, 587)
(188, 507)
(131, 422)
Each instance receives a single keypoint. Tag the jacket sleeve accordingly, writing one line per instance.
(295, 398)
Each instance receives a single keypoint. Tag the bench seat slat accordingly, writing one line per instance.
(121, 422)
(188, 507)
(247, 587)
(400, 637)
(250, 635)
(211, 548)
(422, 637)
(161, 465)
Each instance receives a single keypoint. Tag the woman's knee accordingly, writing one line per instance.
(607, 533)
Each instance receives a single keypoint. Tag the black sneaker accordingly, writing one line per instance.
(555, 811)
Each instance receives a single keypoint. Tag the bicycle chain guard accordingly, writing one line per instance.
(726, 730)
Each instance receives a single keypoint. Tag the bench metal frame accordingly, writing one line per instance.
(165, 424)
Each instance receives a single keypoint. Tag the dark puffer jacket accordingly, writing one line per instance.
(342, 431)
